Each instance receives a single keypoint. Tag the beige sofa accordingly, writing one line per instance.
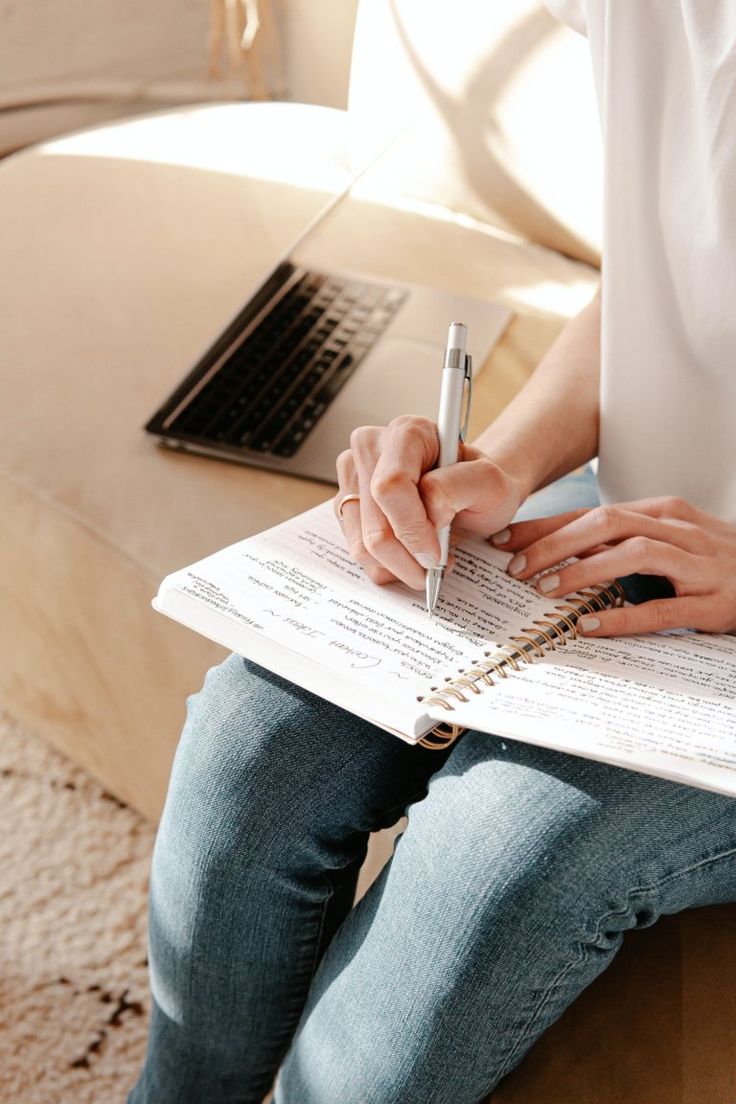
(127, 247)
(65, 64)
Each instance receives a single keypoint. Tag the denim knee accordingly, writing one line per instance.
(249, 771)
(245, 827)
(272, 796)
(266, 765)
(509, 891)
(543, 838)
(536, 832)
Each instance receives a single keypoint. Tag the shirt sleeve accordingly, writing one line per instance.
(571, 12)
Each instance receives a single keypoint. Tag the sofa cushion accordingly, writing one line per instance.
(499, 110)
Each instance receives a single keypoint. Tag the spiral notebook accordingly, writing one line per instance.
(497, 656)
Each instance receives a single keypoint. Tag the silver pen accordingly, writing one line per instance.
(452, 424)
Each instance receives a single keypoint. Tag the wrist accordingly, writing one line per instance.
(514, 465)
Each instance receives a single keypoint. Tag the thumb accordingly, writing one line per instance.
(477, 489)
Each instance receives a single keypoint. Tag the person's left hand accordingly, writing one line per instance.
(656, 536)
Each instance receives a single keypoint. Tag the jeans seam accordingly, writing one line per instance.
(651, 887)
(317, 940)
(583, 945)
(542, 1003)
(333, 885)
(297, 1001)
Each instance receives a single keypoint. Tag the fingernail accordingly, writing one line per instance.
(517, 565)
(502, 538)
(548, 583)
(426, 559)
(588, 624)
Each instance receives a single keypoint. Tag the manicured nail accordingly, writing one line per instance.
(517, 565)
(426, 559)
(548, 583)
(502, 538)
(588, 624)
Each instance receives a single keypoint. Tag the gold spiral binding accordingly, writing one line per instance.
(572, 620)
(554, 630)
(483, 672)
(593, 599)
(618, 592)
(545, 635)
(441, 736)
(529, 640)
(512, 653)
(468, 683)
(453, 691)
(479, 674)
(497, 664)
(557, 629)
(567, 621)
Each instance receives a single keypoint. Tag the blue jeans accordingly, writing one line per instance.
(508, 893)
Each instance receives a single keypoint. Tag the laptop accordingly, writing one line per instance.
(311, 355)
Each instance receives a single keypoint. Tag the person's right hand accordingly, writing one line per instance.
(392, 530)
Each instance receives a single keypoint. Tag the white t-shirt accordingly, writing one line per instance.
(665, 76)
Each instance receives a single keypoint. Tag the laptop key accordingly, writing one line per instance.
(280, 379)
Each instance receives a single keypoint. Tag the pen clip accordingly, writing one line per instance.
(467, 396)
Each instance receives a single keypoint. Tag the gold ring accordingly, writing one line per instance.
(343, 500)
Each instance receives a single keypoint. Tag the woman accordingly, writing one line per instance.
(520, 868)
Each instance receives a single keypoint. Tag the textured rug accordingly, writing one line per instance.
(73, 985)
(74, 867)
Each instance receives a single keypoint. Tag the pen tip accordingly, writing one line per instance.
(434, 582)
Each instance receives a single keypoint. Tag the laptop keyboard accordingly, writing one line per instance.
(280, 377)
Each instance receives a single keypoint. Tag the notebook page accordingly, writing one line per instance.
(661, 704)
(296, 586)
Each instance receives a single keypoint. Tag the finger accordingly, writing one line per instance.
(357, 550)
(657, 616)
(604, 525)
(671, 506)
(379, 575)
(457, 536)
(638, 555)
(471, 494)
(349, 518)
(521, 534)
(674, 508)
(410, 448)
(347, 480)
(348, 513)
(378, 537)
(594, 550)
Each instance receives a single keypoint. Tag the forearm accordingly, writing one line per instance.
(551, 426)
